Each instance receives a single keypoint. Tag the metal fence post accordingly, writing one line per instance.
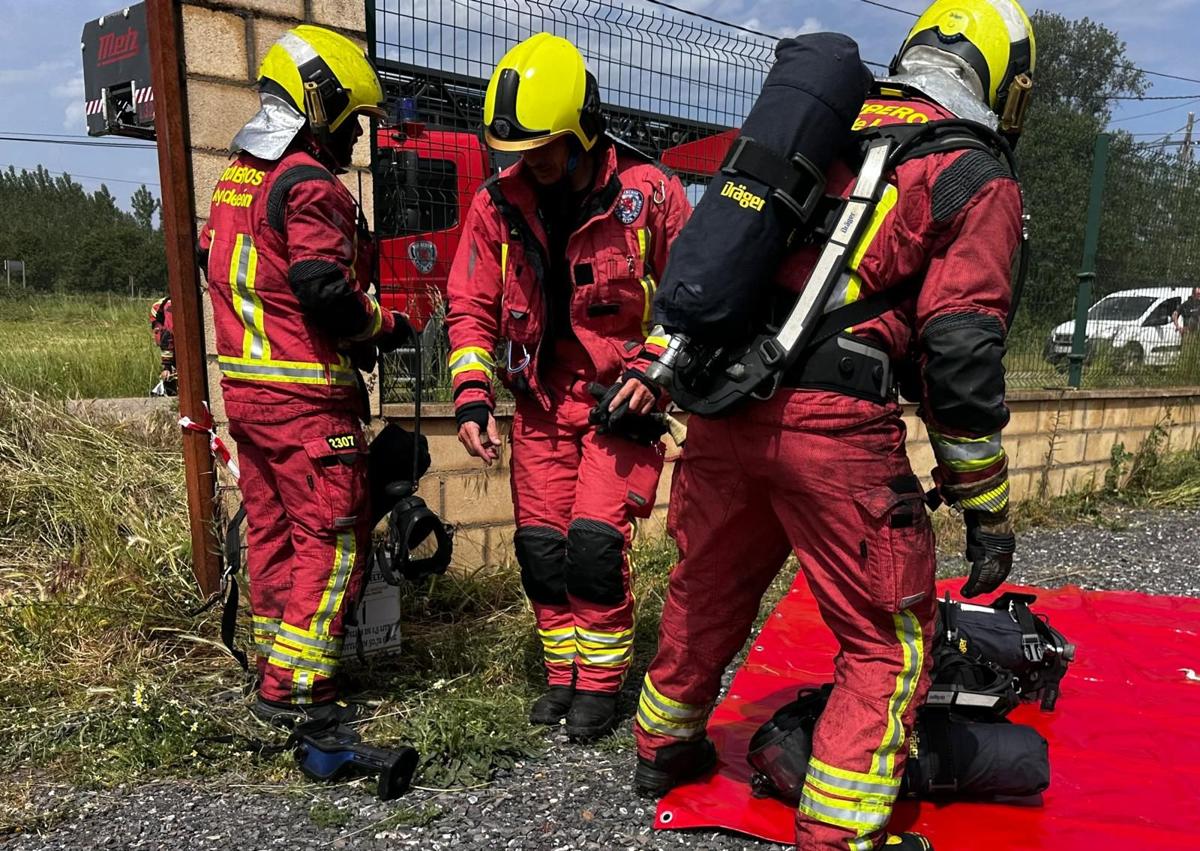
(1087, 272)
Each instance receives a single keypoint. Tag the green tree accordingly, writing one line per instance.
(1081, 65)
(75, 241)
(144, 207)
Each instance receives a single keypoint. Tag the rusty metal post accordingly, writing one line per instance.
(174, 165)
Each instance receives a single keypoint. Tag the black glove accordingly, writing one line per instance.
(645, 429)
(363, 356)
(402, 334)
(476, 412)
(990, 547)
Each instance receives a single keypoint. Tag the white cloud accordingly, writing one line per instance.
(74, 118)
(72, 88)
(11, 76)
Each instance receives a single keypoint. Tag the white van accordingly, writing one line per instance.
(1135, 324)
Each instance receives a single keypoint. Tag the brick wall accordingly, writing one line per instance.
(1062, 438)
(224, 42)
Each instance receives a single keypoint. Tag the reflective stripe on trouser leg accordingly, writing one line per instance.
(598, 587)
(265, 629)
(862, 801)
(558, 646)
(604, 649)
(660, 715)
(311, 654)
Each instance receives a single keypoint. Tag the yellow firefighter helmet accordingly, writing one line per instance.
(992, 40)
(539, 91)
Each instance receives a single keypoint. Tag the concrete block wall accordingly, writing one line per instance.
(224, 42)
(1057, 441)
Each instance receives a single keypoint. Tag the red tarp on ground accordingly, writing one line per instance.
(1124, 738)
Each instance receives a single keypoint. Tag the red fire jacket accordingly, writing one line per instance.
(287, 259)
(951, 221)
(498, 307)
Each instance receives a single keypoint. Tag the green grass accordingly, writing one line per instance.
(87, 347)
(110, 677)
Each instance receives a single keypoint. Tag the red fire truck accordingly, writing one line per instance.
(430, 164)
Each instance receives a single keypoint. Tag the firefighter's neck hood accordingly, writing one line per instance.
(268, 134)
(942, 80)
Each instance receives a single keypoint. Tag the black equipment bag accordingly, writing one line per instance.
(952, 756)
(1007, 635)
(722, 263)
(395, 455)
(949, 755)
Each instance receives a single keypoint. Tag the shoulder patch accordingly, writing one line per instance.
(962, 180)
(629, 205)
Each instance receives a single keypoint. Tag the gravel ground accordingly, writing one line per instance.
(571, 799)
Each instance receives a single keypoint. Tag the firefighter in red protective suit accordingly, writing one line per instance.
(287, 258)
(820, 468)
(551, 289)
(162, 325)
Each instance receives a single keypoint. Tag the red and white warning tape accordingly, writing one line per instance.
(219, 450)
(96, 107)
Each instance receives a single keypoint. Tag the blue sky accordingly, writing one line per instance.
(41, 77)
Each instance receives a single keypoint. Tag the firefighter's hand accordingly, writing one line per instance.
(478, 434)
(165, 375)
(990, 547)
(636, 395)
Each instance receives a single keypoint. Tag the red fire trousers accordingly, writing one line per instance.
(576, 494)
(304, 486)
(826, 477)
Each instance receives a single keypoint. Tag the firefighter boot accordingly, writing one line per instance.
(906, 842)
(673, 765)
(592, 715)
(287, 715)
(552, 706)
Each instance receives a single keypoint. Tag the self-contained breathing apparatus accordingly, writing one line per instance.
(717, 357)
(962, 745)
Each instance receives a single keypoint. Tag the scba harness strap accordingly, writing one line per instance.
(712, 381)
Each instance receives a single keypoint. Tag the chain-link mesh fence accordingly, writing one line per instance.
(670, 82)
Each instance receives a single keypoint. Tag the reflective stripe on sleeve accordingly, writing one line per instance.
(471, 358)
(966, 454)
(993, 501)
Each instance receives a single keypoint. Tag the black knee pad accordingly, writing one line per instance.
(594, 557)
(542, 554)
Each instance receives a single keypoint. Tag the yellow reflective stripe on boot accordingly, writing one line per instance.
(859, 816)
(604, 649)
(558, 645)
(912, 646)
(660, 714)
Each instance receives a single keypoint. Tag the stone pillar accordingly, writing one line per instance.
(224, 43)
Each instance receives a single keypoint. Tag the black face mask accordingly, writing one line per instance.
(340, 143)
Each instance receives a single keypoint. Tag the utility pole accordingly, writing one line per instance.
(165, 26)
(1185, 150)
